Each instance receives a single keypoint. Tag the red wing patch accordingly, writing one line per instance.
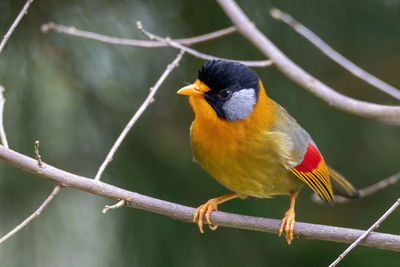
(314, 172)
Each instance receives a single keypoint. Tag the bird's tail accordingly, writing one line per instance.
(341, 186)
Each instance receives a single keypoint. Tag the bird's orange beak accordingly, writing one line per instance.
(193, 89)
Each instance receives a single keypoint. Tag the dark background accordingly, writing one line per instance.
(76, 95)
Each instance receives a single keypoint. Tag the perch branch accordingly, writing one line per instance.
(390, 114)
(334, 55)
(195, 53)
(23, 11)
(369, 190)
(3, 136)
(366, 233)
(183, 213)
(33, 216)
(149, 99)
(71, 30)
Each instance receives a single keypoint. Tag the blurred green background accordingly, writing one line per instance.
(76, 95)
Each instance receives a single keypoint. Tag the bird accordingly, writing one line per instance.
(251, 145)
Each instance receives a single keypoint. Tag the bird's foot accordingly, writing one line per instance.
(206, 208)
(287, 224)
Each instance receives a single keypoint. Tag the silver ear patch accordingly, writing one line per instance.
(240, 105)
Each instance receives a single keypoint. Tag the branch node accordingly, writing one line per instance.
(37, 155)
(115, 206)
(46, 27)
(275, 13)
(139, 25)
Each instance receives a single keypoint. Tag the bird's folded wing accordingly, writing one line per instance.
(306, 161)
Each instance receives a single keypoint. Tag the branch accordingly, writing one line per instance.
(367, 191)
(390, 114)
(155, 41)
(33, 216)
(171, 43)
(23, 11)
(71, 30)
(40, 209)
(149, 99)
(183, 213)
(3, 136)
(366, 233)
(335, 56)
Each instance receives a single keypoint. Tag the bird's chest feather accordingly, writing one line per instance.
(244, 156)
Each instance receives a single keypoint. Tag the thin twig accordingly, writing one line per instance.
(116, 206)
(366, 233)
(161, 42)
(390, 114)
(367, 191)
(139, 112)
(184, 213)
(23, 11)
(33, 216)
(334, 55)
(71, 30)
(2, 131)
(37, 155)
(174, 44)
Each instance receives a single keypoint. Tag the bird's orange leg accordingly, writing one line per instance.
(209, 207)
(287, 223)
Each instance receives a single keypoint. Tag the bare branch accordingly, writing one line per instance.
(4, 139)
(40, 209)
(335, 56)
(71, 30)
(3, 136)
(139, 112)
(116, 206)
(33, 216)
(390, 114)
(23, 11)
(183, 213)
(366, 233)
(174, 44)
(161, 42)
(367, 191)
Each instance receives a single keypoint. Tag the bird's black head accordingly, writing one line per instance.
(233, 87)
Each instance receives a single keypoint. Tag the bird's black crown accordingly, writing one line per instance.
(222, 74)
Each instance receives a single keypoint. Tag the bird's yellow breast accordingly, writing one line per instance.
(244, 155)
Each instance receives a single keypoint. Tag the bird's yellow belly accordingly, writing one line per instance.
(247, 165)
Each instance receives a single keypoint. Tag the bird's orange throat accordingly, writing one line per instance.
(208, 127)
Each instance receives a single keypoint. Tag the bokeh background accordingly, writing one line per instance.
(76, 95)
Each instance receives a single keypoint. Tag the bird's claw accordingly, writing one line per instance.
(206, 209)
(287, 224)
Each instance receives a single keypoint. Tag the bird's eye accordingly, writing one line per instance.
(225, 94)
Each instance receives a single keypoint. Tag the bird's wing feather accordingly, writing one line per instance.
(314, 172)
(306, 161)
